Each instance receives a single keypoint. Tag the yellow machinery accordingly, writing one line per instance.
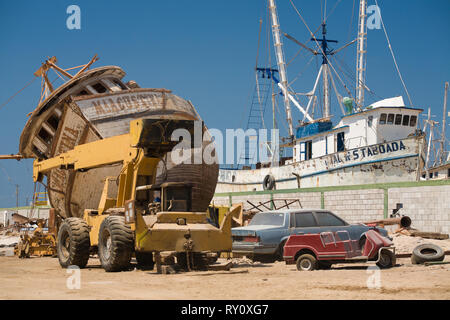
(40, 243)
(127, 222)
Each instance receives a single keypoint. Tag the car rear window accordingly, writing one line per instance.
(327, 219)
(268, 219)
(305, 220)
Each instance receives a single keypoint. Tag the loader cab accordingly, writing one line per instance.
(176, 197)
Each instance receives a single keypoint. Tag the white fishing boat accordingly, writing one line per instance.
(376, 143)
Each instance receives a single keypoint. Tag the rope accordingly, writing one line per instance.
(28, 84)
(332, 10)
(351, 22)
(393, 56)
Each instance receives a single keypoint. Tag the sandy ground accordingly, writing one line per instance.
(43, 278)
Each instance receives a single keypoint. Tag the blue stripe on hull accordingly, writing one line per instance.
(326, 171)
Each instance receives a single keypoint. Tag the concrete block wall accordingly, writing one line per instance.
(255, 199)
(356, 206)
(307, 199)
(428, 207)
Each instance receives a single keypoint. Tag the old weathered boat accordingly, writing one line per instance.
(96, 104)
(370, 143)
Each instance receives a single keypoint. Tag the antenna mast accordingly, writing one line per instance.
(361, 54)
(281, 63)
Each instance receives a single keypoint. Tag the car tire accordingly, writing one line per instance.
(387, 259)
(427, 253)
(280, 250)
(306, 262)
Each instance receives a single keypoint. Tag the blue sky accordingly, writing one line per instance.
(205, 51)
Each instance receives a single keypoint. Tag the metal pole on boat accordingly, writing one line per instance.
(361, 51)
(281, 63)
(326, 91)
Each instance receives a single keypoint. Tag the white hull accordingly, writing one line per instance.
(395, 161)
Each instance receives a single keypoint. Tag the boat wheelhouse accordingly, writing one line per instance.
(378, 124)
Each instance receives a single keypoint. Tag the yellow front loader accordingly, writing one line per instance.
(134, 220)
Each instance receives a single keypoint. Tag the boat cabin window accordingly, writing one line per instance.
(405, 120)
(398, 119)
(370, 121)
(340, 142)
(390, 118)
(100, 88)
(308, 150)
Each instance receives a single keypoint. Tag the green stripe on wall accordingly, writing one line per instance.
(384, 186)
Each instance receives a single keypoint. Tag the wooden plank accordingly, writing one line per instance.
(429, 235)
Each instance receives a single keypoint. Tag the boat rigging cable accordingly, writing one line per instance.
(28, 84)
(320, 48)
(392, 53)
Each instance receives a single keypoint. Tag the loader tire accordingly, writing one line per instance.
(145, 260)
(115, 244)
(73, 243)
(427, 252)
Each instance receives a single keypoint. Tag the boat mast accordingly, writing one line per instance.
(361, 54)
(325, 52)
(444, 123)
(281, 63)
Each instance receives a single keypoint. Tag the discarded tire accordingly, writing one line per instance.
(269, 182)
(427, 253)
(115, 244)
(73, 243)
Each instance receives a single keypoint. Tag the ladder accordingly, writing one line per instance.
(261, 94)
